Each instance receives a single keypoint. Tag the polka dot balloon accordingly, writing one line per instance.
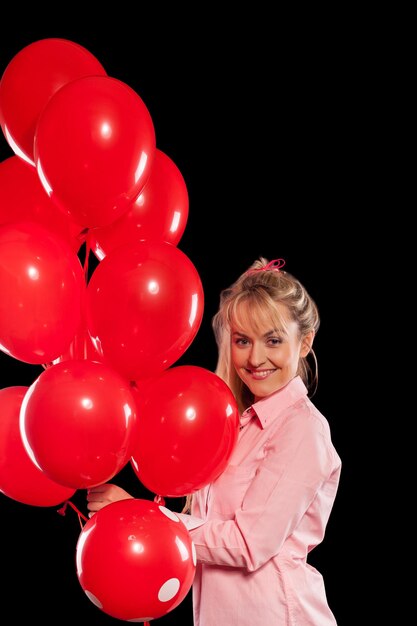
(135, 560)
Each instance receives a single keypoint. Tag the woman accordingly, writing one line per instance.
(254, 526)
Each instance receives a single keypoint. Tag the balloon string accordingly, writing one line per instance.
(63, 509)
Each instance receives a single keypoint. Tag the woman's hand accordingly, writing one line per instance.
(100, 496)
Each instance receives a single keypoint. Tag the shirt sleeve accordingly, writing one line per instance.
(298, 460)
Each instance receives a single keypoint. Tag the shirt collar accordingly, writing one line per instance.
(269, 408)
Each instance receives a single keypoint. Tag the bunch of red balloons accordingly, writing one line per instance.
(86, 171)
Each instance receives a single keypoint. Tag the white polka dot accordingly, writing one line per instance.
(93, 599)
(194, 553)
(169, 590)
(169, 514)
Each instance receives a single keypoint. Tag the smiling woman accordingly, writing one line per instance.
(266, 361)
(265, 329)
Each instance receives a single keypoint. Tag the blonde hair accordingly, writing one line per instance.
(260, 289)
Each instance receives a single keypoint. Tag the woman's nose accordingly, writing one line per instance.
(257, 356)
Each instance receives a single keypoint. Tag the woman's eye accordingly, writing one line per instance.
(275, 341)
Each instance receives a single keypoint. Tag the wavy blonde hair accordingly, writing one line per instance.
(260, 290)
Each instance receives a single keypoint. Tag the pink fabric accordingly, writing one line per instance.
(263, 515)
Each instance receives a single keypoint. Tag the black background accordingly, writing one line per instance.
(271, 130)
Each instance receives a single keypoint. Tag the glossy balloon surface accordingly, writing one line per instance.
(94, 148)
(144, 307)
(135, 560)
(22, 198)
(20, 478)
(187, 430)
(77, 421)
(31, 78)
(159, 213)
(41, 285)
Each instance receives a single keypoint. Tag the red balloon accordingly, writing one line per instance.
(94, 148)
(144, 307)
(187, 429)
(135, 560)
(41, 286)
(159, 213)
(20, 478)
(22, 197)
(77, 421)
(31, 78)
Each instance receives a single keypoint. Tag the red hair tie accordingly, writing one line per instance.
(274, 266)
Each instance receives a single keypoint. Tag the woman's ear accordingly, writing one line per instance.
(306, 343)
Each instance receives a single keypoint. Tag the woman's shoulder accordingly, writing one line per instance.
(304, 418)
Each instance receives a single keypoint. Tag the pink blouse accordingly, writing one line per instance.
(263, 515)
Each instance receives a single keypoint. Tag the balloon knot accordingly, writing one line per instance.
(63, 508)
(62, 511)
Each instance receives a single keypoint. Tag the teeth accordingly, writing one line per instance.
(261, 374)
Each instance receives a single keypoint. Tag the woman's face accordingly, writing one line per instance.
(266, 360)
